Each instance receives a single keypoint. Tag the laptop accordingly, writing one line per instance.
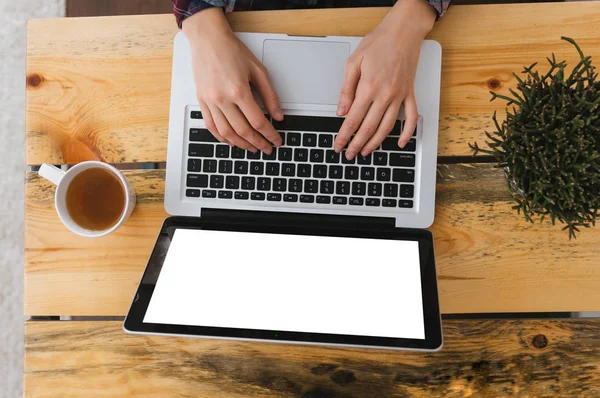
(302, 245)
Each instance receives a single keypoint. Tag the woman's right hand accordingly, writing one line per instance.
(223, 69)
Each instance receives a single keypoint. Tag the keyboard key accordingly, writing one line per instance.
(304, 170)
(375, 189)
(257, 196)
(290, 197)
(309, 123)
(264, 184)
(202, 135)
(360, 159)
(397, 129)
(309, 140)
(197, 181)
(208, 193)
(405, 203)
(196, 115)
(216, 181)
(301, 155)
(403, 175)
(295, 185)
(241, 167)
(253, 155)
(380, 158)
(282, 135)
(402, 160)
(351, 173)
(342, 188)
(356, 201)
(285, 154)
(194, 165)
(319, 171)
(373, 202)
(272, 156)
(311, 186)
(210, 166)
(325, 141)
(242, 195)
(222, 151)
(383, 174)
(248, 183)
(272, 169)
(407, 191)
(238, 153)
(390, 190)
(293, 139)
(274, 197)
(332, 156)
(317, 155)
(327, 186)
(307, 198)
(225, 166)
(346, 161)
(288, 170)
(232, 182)
(257, 168)
(323, 199)
(335, 172)
(192, 193)
(201, 150)
(367, 173)
(225, 194)
(339, 200)
(391, 144)
(359, 188)
(279, 184)
(389, 202)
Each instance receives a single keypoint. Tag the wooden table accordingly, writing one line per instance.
(99, 89)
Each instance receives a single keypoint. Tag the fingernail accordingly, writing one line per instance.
(278, 114)
(253, 150)
(365, 154)
(337, 149)
(268, 151)
(402, 144)
(279, 143)
(350, 155)
(341, 109)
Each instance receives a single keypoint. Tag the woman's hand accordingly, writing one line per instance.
(223, 70)
(379, 78)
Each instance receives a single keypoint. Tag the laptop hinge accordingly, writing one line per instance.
(295, 219)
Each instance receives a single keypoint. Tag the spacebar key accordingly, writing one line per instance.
(309, 123)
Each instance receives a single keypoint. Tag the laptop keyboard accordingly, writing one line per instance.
(305, 169)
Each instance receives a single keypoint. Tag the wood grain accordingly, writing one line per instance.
(99, 88)
(500, 358)
(488, 258)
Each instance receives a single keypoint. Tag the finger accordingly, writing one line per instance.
(227, 131)
(244, 130)
(352, 123)
(387, 124)
(264, 88)
(367, 128)
(255, 116)
(351, 77)
(412, 117)
(210, 123)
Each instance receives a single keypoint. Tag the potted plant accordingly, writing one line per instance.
(549, 144)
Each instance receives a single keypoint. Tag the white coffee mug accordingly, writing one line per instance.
(62, 180)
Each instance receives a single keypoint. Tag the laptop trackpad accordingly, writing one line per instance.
(306, 72)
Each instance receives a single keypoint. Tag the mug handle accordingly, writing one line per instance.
(51, 173)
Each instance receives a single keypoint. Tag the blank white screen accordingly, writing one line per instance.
(315, 284)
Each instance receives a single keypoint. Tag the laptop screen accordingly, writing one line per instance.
(300, 283)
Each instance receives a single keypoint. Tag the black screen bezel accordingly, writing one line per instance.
(431, 313)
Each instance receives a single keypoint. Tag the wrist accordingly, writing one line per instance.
(416, 16)
(205, 23)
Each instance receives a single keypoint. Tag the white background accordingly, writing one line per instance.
(335, 285)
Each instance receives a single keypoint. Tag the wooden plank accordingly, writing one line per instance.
(526, 358)
(94, 8)
(99, 88)
(488, 258)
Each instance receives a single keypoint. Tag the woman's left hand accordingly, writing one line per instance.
(379, 78)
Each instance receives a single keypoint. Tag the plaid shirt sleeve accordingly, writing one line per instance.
(185, 8)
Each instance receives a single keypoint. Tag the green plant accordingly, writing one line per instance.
(549, 145)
